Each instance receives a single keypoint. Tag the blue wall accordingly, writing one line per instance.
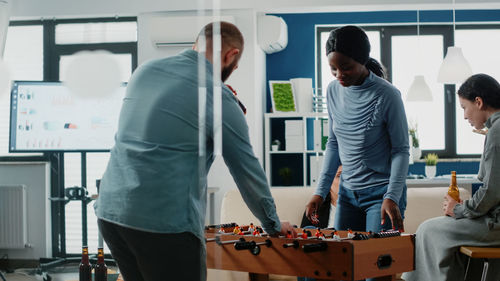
(298, 58)
(445, 168)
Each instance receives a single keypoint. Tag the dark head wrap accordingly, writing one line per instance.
(351, 41)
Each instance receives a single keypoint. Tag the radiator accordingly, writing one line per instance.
(13, 220)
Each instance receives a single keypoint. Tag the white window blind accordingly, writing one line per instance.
(480, 48)
(96, 162)
(101, 32)
(412, 55)
(24, 58)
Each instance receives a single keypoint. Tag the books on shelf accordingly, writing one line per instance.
(294, 135)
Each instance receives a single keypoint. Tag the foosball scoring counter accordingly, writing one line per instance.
(324, 254)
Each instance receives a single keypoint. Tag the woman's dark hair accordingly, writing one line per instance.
(376, 67)
(483, 86)
(353, 42)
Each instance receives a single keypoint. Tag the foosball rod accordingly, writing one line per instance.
(220, 242)
(294, 245)
(244, 245)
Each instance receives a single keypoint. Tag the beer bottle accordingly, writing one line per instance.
(101, 271)
(453, 189)
(85, 267)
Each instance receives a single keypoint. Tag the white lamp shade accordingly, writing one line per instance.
(419, 90)
(455, 69)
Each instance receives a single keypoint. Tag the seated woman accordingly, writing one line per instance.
(473, 222)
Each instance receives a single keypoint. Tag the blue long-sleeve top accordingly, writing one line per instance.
(153, 181)
(368, 135)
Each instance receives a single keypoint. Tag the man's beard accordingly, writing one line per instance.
(226, 71)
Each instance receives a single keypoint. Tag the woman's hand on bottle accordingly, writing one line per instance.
(391, 209)
(312, 208)
(448, 205)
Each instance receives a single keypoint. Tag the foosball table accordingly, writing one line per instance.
(322, 254)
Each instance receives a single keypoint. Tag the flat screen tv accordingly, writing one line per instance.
(45, 117)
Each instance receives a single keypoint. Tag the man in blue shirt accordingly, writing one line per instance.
(152, 200)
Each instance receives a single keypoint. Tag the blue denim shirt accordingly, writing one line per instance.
(368, 135)
(153, 181)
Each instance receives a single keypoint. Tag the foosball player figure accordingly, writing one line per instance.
(304, 234)
(289, 234)
(336, 235)
(221, 229)
(257, 232)
(236, 230)
(251, 228)
(350, 234)
(319, 234)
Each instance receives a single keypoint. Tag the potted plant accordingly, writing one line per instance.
(416, 152)
(431, 160)
(286, 175)
(275, 145)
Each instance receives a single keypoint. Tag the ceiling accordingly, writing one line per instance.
(72, 8)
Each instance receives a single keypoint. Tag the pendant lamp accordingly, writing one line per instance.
(455, 68)
(419, 90)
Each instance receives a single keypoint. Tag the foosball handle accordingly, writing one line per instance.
(385, 234)
(317, 247)
(244, 245)
(294, 244)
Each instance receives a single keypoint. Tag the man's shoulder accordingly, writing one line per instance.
(184, 56)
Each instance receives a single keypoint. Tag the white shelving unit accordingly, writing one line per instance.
(297, 160)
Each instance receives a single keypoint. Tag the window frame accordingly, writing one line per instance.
(449, 96)
(52, 53)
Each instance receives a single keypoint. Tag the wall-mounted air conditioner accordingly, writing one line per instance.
(179, 31)
(272, 34)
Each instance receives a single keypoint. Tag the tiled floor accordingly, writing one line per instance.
(18, 276)
(63, 273)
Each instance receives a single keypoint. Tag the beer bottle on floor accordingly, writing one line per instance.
(453, 189)
(101, 271)
(85, 267)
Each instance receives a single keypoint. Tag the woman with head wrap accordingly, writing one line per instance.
(368, 135)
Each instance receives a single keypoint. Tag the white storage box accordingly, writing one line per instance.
(294, 143)
(294, 128)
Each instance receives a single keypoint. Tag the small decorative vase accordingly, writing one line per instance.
(430, 171)
(274, 147)
(416, 153)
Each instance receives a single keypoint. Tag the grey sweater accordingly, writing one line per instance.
(486, 201)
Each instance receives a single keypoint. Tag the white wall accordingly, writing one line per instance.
(36, 177)
(72, 8)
